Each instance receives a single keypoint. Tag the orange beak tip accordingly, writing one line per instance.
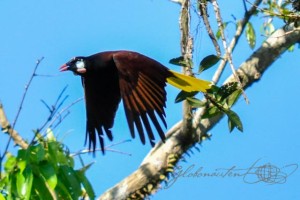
(63, 68)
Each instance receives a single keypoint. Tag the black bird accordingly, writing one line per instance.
(139, 80)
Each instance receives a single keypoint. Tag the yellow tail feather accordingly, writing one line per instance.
(188, 83)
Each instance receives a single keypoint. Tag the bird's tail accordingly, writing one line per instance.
(188, 83)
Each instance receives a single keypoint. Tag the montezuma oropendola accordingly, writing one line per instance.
(139, 80)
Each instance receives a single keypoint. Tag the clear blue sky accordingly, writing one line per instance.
(63, 29)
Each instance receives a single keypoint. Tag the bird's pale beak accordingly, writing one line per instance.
(63, 68)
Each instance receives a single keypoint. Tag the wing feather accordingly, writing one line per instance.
(142, 88)
(102, 97)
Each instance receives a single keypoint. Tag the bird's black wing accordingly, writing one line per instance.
(102, 97)
(142, 85)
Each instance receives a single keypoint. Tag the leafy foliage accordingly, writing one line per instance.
(182, 95)
(180, 61)
(218, 34)
(250, 35)
(221, 100)
(208, 62)
(44, 171)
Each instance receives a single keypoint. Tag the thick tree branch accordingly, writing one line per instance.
(154, 168)
(186, 43)
(7, 128)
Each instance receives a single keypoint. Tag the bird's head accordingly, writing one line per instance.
(78, 65)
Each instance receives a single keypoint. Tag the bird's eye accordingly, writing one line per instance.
(80, 64)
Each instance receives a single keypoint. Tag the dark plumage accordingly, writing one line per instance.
(139, 80)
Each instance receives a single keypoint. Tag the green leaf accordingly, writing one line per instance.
(291, 48)
(211, 112)
(20, 183)
(183, 95)
(230, 125)
(233, 97)
(53, 151)
(48, 172)
(10, 162)
(22, 154)
(37, 153)
(24, 179)
(50, 135)
(86, 184)
(218, 34)
(58, 155)
(21, 165)
(181, 62)
(40, 189)
(28, 183)
(68, 177)
(214, 89)
(195, 103)
(86, 167)
(62, 191)
(208, 62)
(226, 90)
(250, 35)
(1, 197)
(234, 121)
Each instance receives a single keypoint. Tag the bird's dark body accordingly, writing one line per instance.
(102, 95)
(135, 78)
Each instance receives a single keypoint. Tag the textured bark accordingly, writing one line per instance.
(6, 128)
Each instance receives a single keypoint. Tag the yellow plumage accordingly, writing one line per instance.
(188, 83)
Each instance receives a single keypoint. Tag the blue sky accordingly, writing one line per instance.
(64, 29)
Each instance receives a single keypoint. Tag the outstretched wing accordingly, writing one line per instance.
(102, 97)
(142, 82)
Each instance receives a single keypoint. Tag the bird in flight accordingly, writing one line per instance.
(108, 77)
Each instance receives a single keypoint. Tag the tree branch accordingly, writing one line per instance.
(239, 30)
(154, 168)
(204, 15)
(7, 128)
(186, 43)
(6, 125)
(228, 54)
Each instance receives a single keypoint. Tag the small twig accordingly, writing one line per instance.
(283, 35)
(21, 106)
(10, 129)
(26, 89)
(58, 115)
(117, 151)
(245, 6)
(85, 151)
(54, 108)
(61, 119)
(240, 29)
(118, 143)
(204, 15)
(48, 75)
(107, 148)
(228, 54)
(295, 16)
